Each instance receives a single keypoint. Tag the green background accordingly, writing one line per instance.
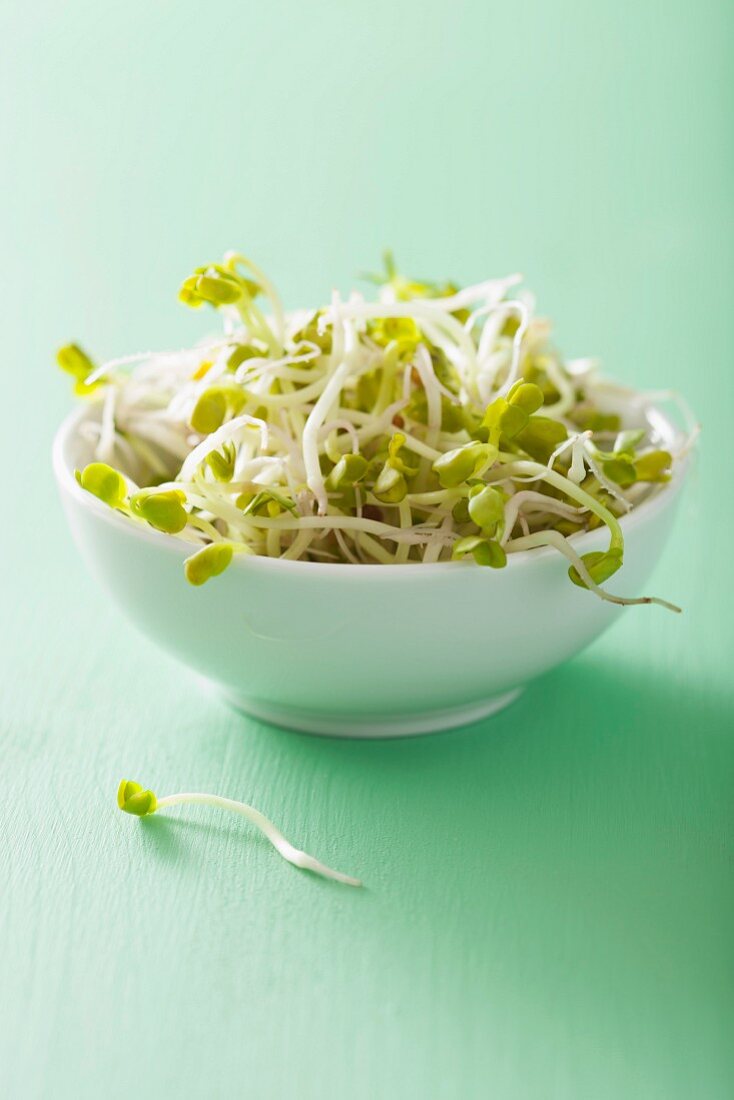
(548, 909)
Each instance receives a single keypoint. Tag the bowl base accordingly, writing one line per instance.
(388, 725)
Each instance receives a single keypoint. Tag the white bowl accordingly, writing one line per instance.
(359, 650)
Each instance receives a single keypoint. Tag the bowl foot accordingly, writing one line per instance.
(388, 725)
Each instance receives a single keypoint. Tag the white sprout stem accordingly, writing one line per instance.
(254, 321)
(526, 496)
(339, 522)
(430, 384)
(577, 469)
(433, 549)
(495, 316)
(559, 542)
(284, 847)
(406, 520)
(389, 369)
(561, 449)
(693, 428)
(423, 310)
(374, 548)
(233, 429)
(300, 544)
(285, 400)
(533, 471)
(317, 416)
(142, 449)
(492, 291)
(269, 289)
(111, 365)
(205, 527)
(566, 396)
(582, 455)
(106, 443)
(344, 547)
(272, 543)
(264, 370)
(516, 348)
(346, 426)
(420, 448)
(463, 357)
(436, 496)
(203, 495)
(268, 465)
(158, 433)
(604, 481)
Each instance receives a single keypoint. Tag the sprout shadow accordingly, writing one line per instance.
(185, 839)
(173, 839)
(555, 864)
(599, 784)
(593, 766)
(560, 868)
(584, 709)
(162, 840)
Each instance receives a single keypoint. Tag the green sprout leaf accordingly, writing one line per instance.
(589, 419)
(74, 360)
(268, 502)
(540, 437)
(310, 334)
(486, 507)
(460, 511)
(509, 416)
(626, 441)
(209, 411)
(208, 562)
(503, 419)
(132, 799)
(104, 482)
(349, 470)
(391, 486)
(601, 565)
(222, 462)
(405, 289)
(213, 285)
(402, 330)
(654, 466)
(394, 448)
(241, 354)
(455, 467)
(526, 396)
(484, 551)
(163, 510)
(621, 470)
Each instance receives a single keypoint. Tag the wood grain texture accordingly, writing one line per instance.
(548, 903)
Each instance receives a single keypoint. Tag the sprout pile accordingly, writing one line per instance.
(432, 424)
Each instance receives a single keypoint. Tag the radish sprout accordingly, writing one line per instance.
(432, 424)
(133, 799)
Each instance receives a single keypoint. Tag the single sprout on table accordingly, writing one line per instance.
(434, 424)
(133, 799)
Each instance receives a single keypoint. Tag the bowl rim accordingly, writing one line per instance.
(658, 502)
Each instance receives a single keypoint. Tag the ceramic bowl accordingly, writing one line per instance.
(359, 650)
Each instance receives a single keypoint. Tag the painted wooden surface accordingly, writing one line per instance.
(545, 895)
(548, 901)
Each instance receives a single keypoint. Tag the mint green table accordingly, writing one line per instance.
(548, 903)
